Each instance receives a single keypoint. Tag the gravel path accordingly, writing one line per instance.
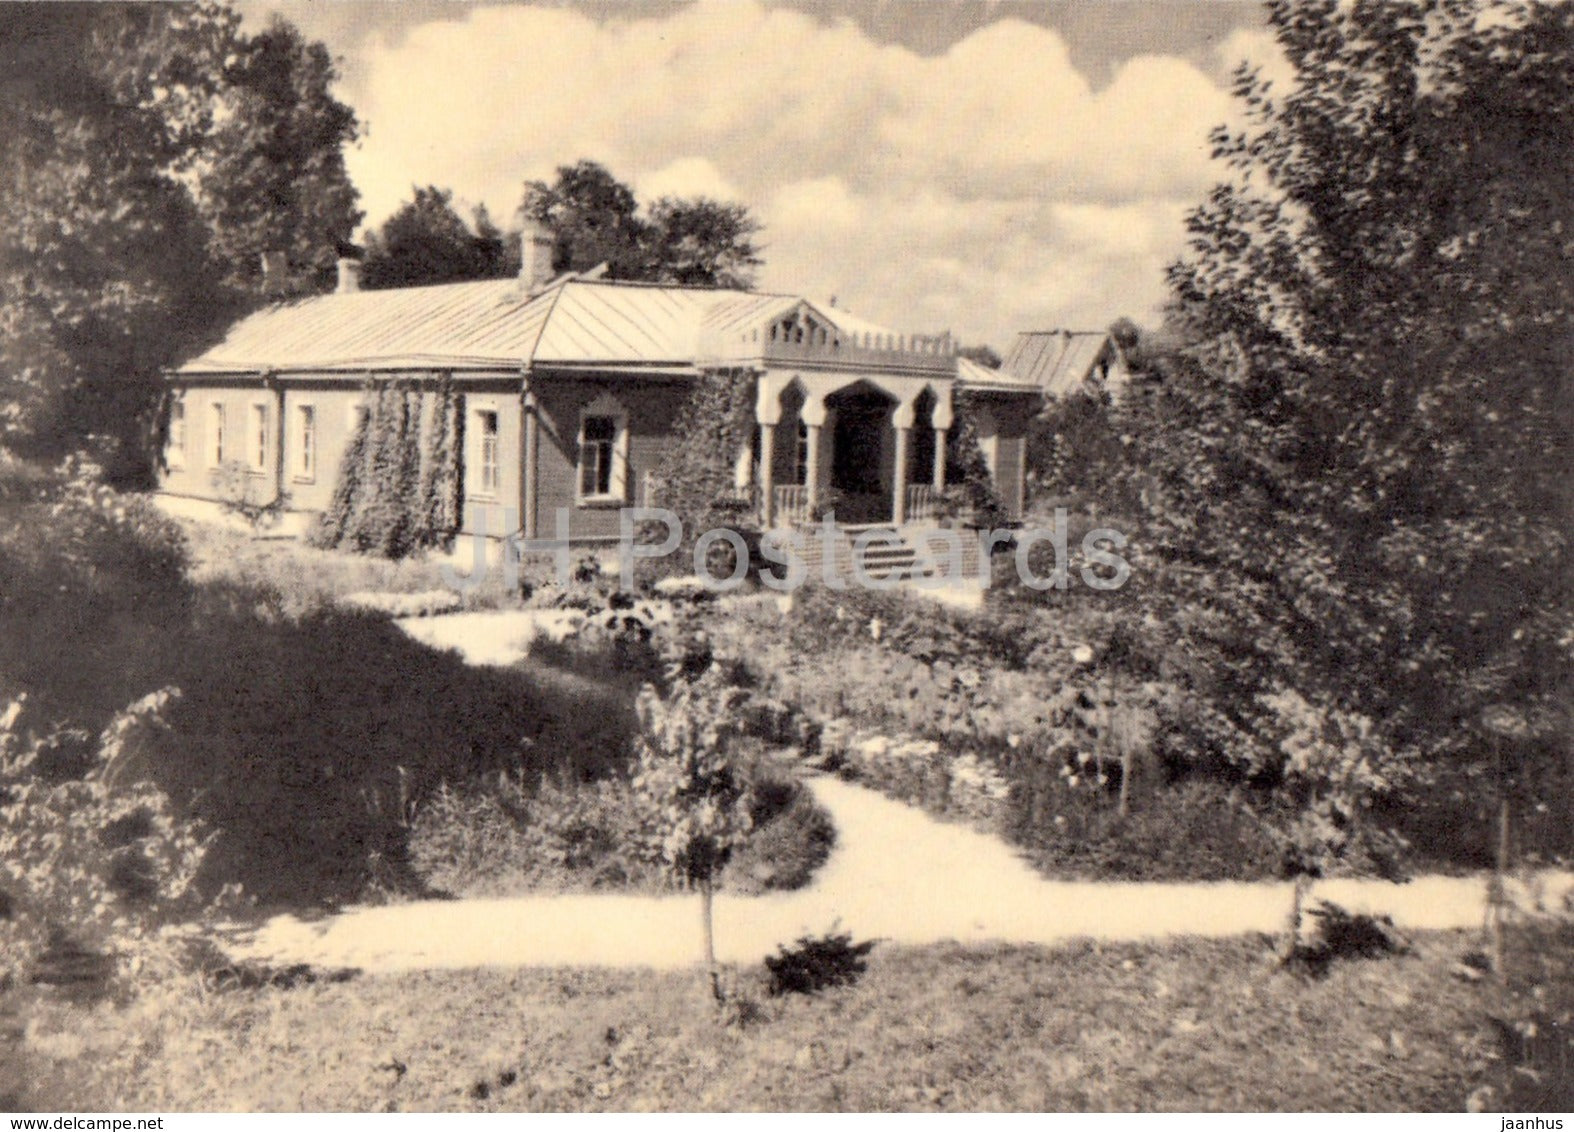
(896, 874)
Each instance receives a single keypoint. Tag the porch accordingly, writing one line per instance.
(861, 449)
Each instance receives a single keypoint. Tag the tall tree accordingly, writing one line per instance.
(271, 176)
(137, 173)
(702, 242)
(593, 216)
(1353, 485)
(427, 241)
(597, 219)
(104, 267)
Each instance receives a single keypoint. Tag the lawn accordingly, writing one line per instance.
(1183, 1025)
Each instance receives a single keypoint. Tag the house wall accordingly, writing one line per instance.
(191, 471)
(651, 407)
(496, 512)
(337, 403)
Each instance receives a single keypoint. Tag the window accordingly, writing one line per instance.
(218, 434)
(259, 437)
(176, 454)
(597, 443)
(603, 451)
(306, 442)
(487, 419)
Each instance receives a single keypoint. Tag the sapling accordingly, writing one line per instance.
(1335, 770)
(690, 777)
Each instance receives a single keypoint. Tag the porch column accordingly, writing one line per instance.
(529, 458)
(767, 477)
(767, 415)
(940, 419)
(902, 420)
(813, 416)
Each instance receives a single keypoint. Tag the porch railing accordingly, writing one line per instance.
(792, 503)
(920, 502)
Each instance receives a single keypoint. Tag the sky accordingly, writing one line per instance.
(978, 166)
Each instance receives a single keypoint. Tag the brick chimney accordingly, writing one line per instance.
(349, 276)
(535, 257)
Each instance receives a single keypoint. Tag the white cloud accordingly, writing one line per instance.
(686, 177)
(986, 189)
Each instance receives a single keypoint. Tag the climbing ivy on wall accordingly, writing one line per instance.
(388, 499)
(334, 522)
(442, 472)
(966, 471)
(695, 479)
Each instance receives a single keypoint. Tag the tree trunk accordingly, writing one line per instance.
(706, 901)
(1297, 903)
(1498, 898)
(1125, 779)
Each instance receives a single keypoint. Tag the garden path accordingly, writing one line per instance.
(896, 874)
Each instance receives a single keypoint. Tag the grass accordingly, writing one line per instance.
(1185, 1025)
(307, 578)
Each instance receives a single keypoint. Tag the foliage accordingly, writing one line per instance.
(302, 738)
(236, 487)
(1335, 772)
(1070, 442)
(967, 471)
(91, 857)
(596, 219)
(506, 840)
(690, 773)
(812, 964)
(333, 525)
(1347, 475)
(131, 186)
(426, 241)
(442, 469)
(593, 218)
(1339, 934)
(271, 177)
(507, 836)
(701, 242)
(695, 479)
(400, 483)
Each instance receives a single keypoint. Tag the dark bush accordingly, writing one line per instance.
(1339, 934)
(814, 963)
(1193, 829)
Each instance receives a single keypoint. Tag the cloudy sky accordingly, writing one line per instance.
(983, 166)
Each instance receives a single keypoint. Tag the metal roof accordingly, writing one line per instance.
(1059, 361)
(972, 375)
(493, 324)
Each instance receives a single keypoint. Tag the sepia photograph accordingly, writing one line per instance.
(759, 556)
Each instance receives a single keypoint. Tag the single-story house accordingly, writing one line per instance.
(1059, 362)
(569, 387)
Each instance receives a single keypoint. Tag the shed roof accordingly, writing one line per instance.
(1059, 361)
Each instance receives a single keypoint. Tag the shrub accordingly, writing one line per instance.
(97, 872)
(1338, 934)
(236, 485)
(500, 839)
(791, 836)
(814, 963)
